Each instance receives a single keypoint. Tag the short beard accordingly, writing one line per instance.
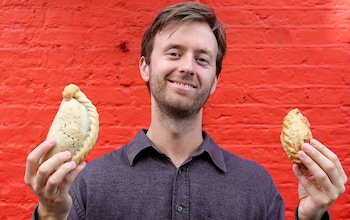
(175, 110)
(180, 111)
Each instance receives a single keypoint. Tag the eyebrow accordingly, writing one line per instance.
(200, 51)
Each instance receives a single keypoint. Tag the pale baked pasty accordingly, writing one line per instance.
(75, 126)
(295, 132)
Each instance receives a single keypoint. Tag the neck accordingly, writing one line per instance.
(176, 138)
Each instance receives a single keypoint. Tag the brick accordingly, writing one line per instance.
(281, 55)
(304, 74)
(320, 35)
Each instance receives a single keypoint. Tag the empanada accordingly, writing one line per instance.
(76, 125)
(295, 132)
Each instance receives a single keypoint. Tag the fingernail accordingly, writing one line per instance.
(297, 170)
(306, 147)
(72, 164)
(67, 154)
(51, 141)
(313, 141)
(302, 154)
(82, 164)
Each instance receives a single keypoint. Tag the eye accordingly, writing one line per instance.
(202, 60)
(174, 54)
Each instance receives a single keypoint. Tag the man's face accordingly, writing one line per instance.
(182, 71)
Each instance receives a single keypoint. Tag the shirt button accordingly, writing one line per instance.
(179, 208)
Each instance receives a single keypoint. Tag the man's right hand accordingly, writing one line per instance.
(51, 186)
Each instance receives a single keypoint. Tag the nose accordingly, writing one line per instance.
(187, 64)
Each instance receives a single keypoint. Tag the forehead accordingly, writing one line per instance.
(191, 34)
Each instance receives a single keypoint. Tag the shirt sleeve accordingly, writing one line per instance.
(34, 214)
(324, 217)
(276, 208)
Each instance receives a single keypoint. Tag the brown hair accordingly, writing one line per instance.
(183, 13)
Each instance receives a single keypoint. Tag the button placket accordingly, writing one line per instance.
(180, 193)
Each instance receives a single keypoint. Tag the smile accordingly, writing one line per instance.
(188, 86)
(183, 85)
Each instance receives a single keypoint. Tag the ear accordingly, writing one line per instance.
(215, 83)
(144, 69)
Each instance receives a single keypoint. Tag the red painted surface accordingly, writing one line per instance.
(281, 55)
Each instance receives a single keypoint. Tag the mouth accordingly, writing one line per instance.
(184, 85)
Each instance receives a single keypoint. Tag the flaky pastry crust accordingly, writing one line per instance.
(295, 132)
(76, 125)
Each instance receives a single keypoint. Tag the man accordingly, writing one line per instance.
(174, 170)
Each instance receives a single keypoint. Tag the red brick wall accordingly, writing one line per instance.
(281, 55)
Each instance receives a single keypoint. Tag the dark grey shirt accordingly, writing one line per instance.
(139, 182)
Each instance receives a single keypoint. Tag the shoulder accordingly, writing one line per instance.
(121, 158)
(243, 166)
(231, 163)
(251, 176)
(108, 161)
(234, 160)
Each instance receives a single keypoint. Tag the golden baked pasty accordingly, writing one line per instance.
(76, 125)
(295, 132)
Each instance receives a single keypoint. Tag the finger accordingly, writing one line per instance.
(71, 177)
(308, 185)
(34, 157)
(330, 171)
(57, 178)
(47, 168)
(331, 156)
(324, 172)
(310, 158)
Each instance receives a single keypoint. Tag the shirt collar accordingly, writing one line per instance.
(141, 142)
(215, 152)
(138, 144)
